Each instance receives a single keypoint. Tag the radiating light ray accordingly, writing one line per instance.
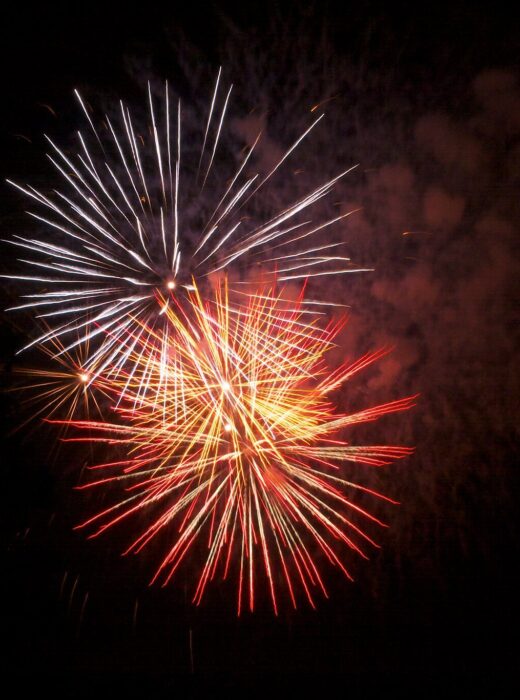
(212, 105)
(217, 136)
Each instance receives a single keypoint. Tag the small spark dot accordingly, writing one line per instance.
(228, 427)
(170, 284)
(84, 377)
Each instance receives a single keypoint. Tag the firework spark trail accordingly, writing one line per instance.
(115, 236)
(247, 460)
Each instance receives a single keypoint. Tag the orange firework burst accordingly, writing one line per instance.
(230, 439)
(70, 386)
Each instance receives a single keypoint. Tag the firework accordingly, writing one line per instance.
(225, 429)
(132, 218)
(61, 385)
(231, 446)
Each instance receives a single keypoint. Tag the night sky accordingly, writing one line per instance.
(427, 101)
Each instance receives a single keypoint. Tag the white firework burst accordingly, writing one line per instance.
(114, 235)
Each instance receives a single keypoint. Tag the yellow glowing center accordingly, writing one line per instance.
(228, 427)
(226, 386)
(84, 377)
(170, 284)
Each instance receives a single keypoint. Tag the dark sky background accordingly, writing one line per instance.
(427, 101)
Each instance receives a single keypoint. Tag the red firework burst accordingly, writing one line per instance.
(230, 438)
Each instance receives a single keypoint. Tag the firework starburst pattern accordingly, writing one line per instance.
(218, 411)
